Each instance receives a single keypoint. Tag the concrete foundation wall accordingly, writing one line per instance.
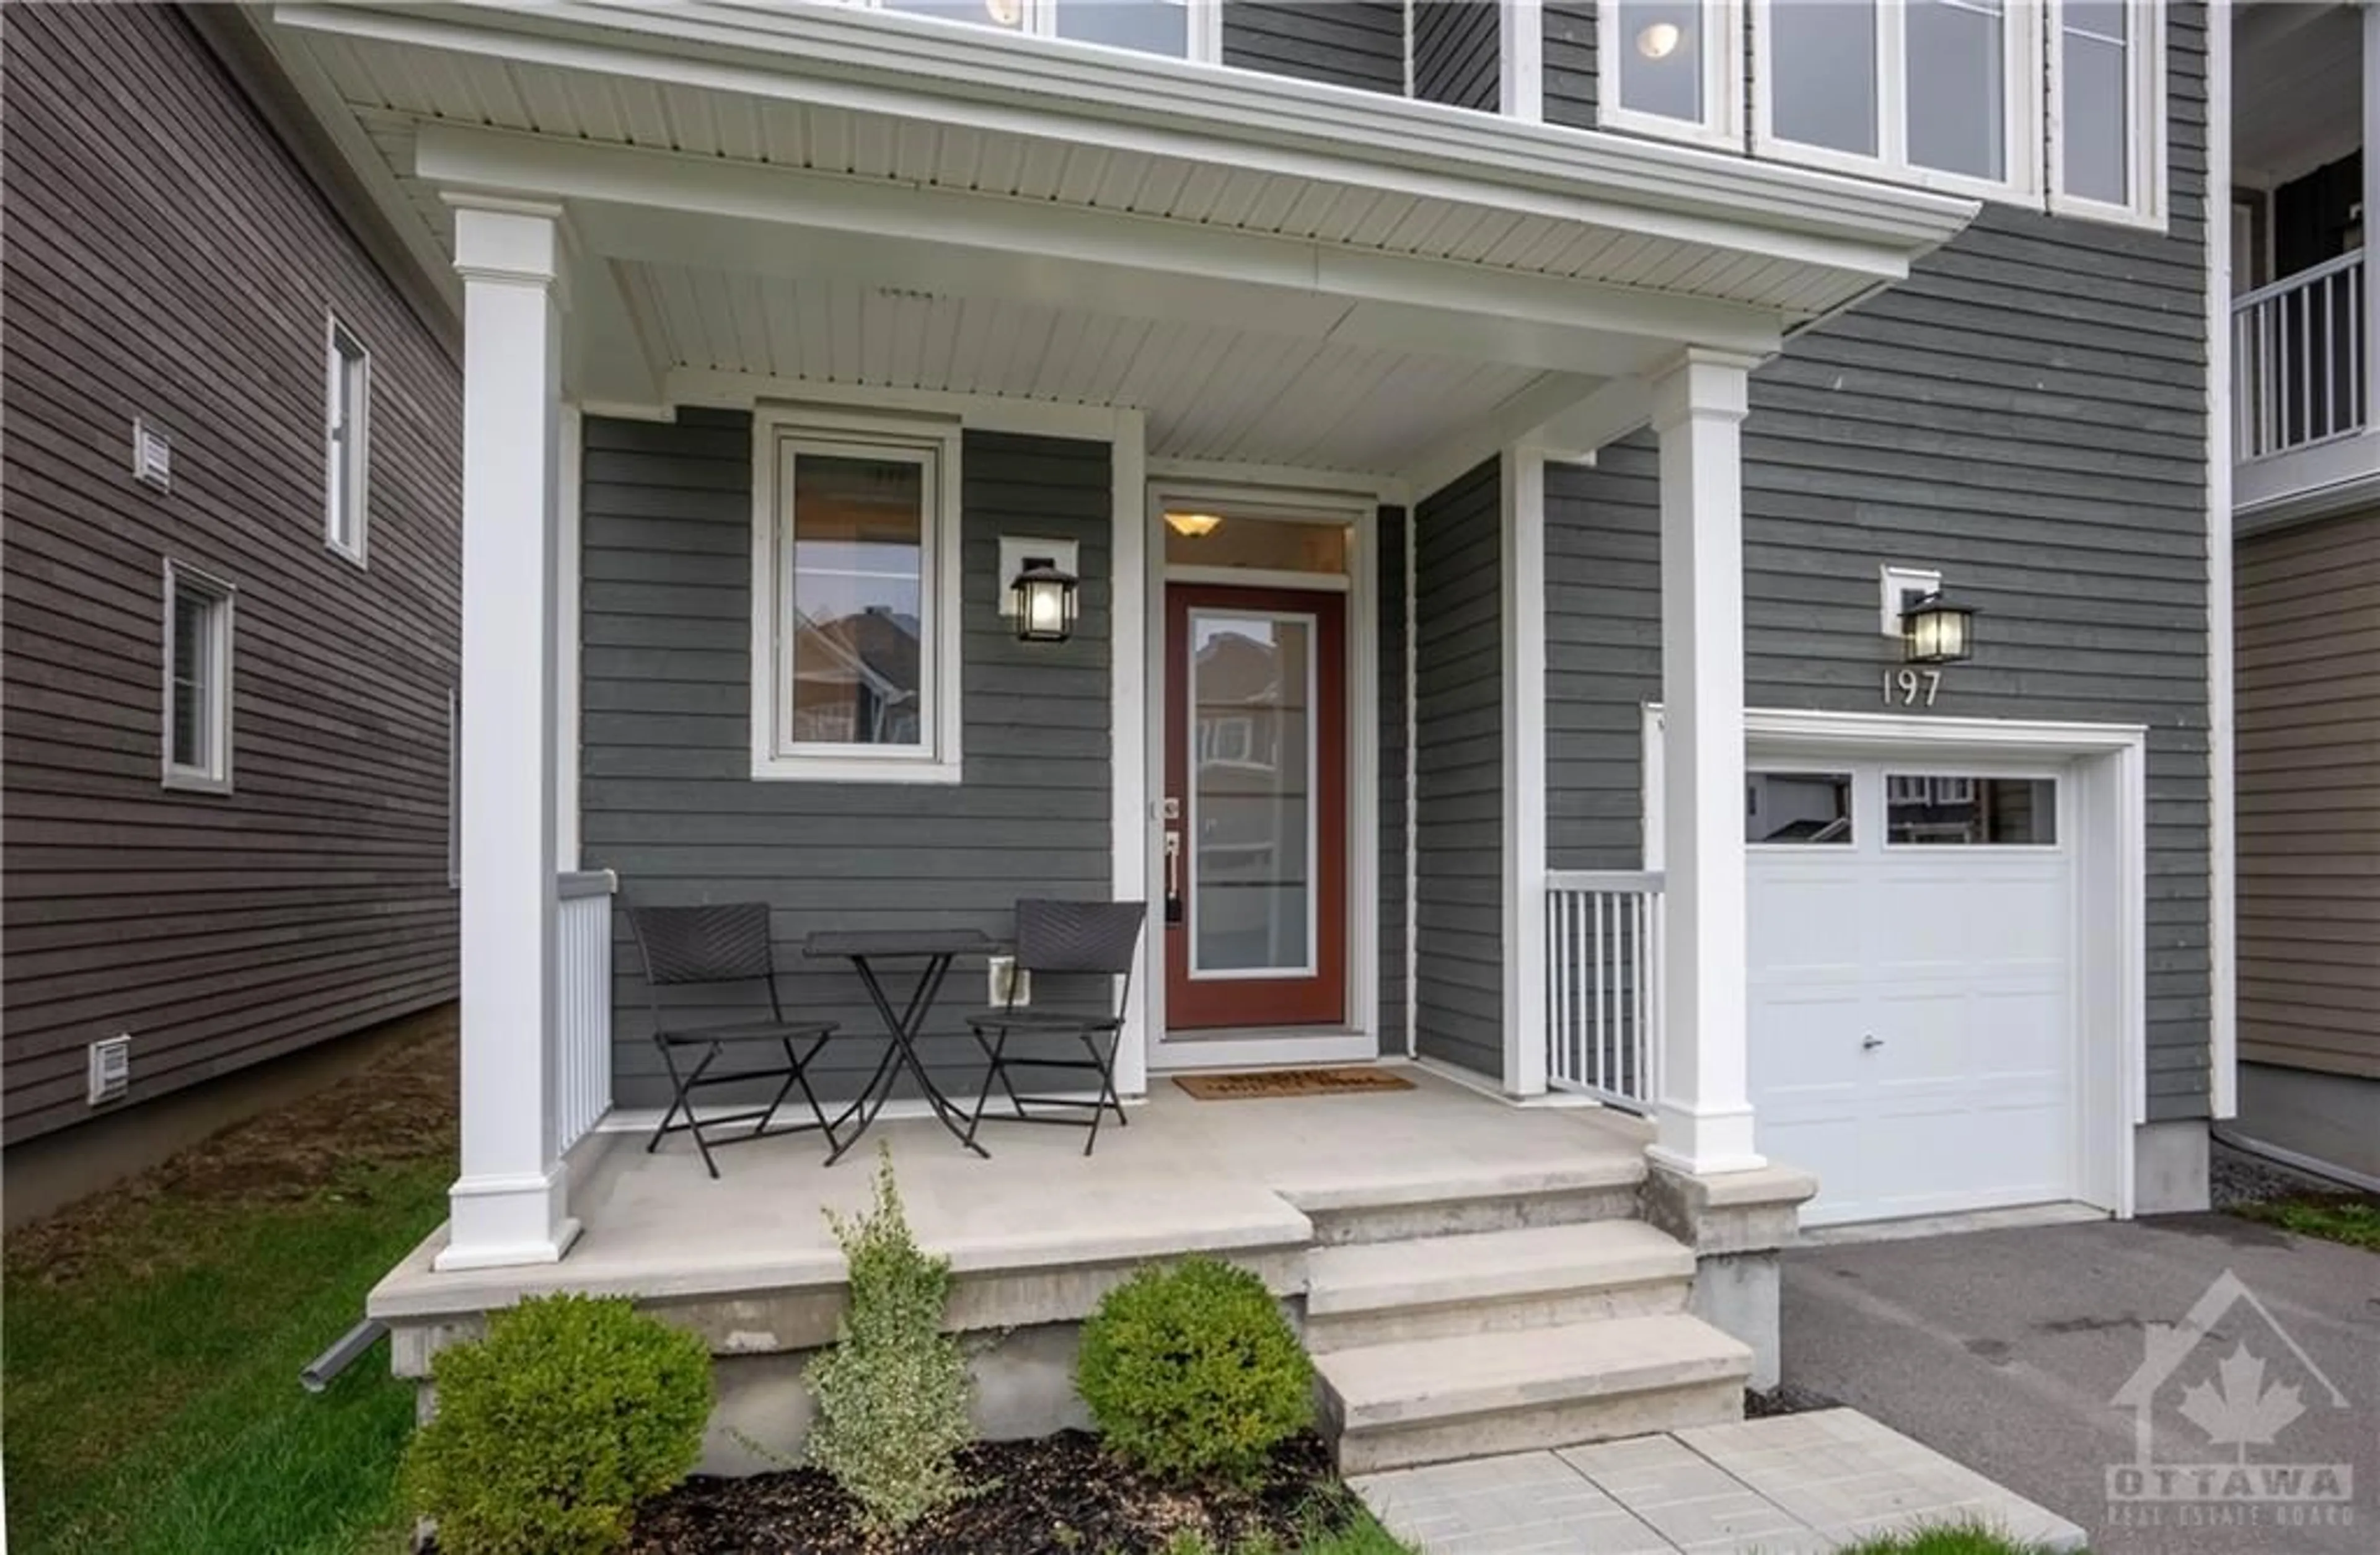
(2169, 1167)
(2333, 1119)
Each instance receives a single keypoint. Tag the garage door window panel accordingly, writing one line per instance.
(1930, 810)
(1795, 809)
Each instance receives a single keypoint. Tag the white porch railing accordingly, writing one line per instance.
(2296, 360)
(582, 1005)
(1603, 975)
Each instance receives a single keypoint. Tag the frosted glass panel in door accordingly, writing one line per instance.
(1252, 818)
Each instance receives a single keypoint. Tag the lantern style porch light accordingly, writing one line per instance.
(1043, 599)
(1934, 631)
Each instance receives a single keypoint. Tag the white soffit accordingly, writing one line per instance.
(1209, 391)
(894, 99)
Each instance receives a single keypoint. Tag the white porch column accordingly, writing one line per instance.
(1705, 1111)
(510, 1206)
(1521, 473)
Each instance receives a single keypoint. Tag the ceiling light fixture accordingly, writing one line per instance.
(1658, 40)
(1191, 524)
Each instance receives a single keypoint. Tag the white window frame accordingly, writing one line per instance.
(779, 436)
(2021, 107)
(2145, 127)
(1721, 124)
(211, 775)
(1038, 19)
(347, 466)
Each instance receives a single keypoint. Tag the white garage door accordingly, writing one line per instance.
(1912, 1021)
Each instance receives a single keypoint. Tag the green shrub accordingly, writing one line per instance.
(893, 1394)
(1193, 1373)
(549, 1431)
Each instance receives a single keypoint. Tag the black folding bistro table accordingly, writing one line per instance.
(936, 948)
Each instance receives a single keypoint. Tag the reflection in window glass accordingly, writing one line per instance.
(1008, 15)
(859, 593)
(2095, 100)
(1797, 807)
(1252, 798)
(1144, 26)
(1965, 811)
(1822, 61)
(1661, 58)
(1958, 97)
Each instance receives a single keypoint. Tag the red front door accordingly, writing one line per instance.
(1255, 778)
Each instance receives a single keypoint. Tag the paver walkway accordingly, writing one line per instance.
(1792, 1485)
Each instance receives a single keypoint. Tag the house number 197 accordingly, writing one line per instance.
(1910, 688)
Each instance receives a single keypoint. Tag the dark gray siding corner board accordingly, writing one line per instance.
(1459, 761)
(2026, 412)
(668, 797)
(1394, 799)
(1346, 42)
(1570, 63)
(1455, 48)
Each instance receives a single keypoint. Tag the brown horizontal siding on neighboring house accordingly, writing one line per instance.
(169, 260)
(2309, 794)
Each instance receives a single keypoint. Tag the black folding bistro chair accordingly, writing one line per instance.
(729, 943)
(1058, 939)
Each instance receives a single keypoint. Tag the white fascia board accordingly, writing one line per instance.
(999, 413)
(868, 61)
(1427, 302)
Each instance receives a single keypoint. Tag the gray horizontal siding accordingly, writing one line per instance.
(666, 789)
(1459, 778)
(1570, 63)
(1455, 46)
(1346, 42)
(1394, 799)
(169, 257)
(2027, 411)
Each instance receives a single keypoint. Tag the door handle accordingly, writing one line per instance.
(1870, 1042)
(1173, 875)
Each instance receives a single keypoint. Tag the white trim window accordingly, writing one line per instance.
(347, 443)
(1188, 29)
(1945, 94)
(1673, 69)
(197, 733)
(856, 631)
(2107, 110)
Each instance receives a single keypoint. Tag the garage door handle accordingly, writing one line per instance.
(1870, 1042)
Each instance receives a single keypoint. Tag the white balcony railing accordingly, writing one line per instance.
(582, 1004)
(1603, 974)
(2296, 360)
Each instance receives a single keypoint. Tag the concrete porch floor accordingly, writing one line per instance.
(1186, 1175)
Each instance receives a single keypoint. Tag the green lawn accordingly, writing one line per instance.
(154, 1342)
(1942, 1542)
(2351, 1221)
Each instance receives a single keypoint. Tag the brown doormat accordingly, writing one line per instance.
(1258, 1083)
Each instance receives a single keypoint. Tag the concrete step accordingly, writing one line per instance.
(1459, 1205)
(1435, 1287)
(1436, 1400)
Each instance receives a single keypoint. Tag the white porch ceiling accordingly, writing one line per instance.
(2297, 94)
(1209, 391)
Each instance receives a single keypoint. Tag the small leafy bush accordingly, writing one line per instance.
(893, 1394)
(549, 1431)
(1192, 1372)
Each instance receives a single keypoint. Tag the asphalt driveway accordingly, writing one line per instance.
(2026, 1355)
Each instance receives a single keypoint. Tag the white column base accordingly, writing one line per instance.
(495, 1223)
(1705, 1143)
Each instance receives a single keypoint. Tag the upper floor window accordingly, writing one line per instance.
(2055, 102)
(855, 629)
(1944, 94)
(1176, 29)
(198, 680)
(346, 436)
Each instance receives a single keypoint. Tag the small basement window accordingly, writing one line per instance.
(856, 628)
(346, 444)
(197, 681)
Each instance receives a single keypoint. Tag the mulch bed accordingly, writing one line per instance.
(1055, 1493)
